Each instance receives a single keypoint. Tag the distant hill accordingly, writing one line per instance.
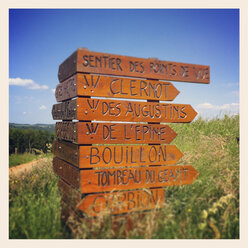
(47, 127)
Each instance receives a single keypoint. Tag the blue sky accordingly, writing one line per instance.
(40, 40)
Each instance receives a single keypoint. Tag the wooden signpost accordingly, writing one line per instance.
(116, 202)
(106, 180)
(86, 61)
(114, 154)
(82, 84)
(120, 110)
(122, 201)
(114, 133)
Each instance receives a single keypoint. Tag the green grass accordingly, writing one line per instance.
(206, 209)
(34, 205)
(17, 159)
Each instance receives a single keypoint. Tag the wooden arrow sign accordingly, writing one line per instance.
(106, 180)
(114, 133)
(136, 178)
(109, 64)
(119, 110)
(96, 85)
(116, 155)
(111, 203)
(122, 202)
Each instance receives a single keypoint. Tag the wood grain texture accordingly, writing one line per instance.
(114, 133)
(136, 178)
(106, 180)
(105, 156)
(84, 109)
(121, 202)
(110, 203)
(110, 64)
(69, 194)
(66, 151)
(67, 172)
(82, 84)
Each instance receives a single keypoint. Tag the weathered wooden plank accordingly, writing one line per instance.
(68, 194)
(120, 110)
(111, 203)
(116, 155)
(106, 180)
(110, 64)
(114, 133)
(67, 172)
(82, 84)
(67, 151)
(122, 202)
(68, 131)
(136, 178)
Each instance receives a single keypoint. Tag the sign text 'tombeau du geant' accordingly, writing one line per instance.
(101, 180)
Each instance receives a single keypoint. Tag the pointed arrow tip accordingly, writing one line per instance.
(193, 113)
(175, 92)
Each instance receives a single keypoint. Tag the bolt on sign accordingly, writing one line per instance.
(112, 149)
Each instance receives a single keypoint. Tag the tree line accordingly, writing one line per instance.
(26, 140)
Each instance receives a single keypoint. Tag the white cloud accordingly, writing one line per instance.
(43, 107)
(205, 105)
(208, 110)
(228, 106)
(24, 113)
(53, 91)
(27, 83)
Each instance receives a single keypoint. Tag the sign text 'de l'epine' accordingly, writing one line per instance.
(114, 133)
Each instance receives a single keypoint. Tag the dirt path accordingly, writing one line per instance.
(27, 167)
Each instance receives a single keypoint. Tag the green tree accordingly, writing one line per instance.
(26, 139)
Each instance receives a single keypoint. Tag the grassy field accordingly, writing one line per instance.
(17, 159)
(206, 209)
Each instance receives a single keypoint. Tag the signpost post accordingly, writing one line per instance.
(112, 152)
